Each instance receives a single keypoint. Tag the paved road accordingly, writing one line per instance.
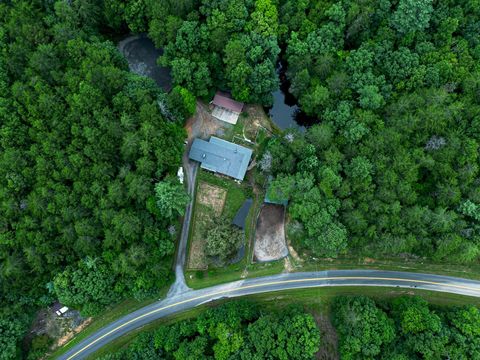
(190, 169)
(189, 299)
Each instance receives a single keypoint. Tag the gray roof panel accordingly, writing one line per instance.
(241, 216)
(221, 156)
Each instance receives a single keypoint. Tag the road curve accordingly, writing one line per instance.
(189, 299)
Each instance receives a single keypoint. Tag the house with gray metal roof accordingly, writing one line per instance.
(221, 156)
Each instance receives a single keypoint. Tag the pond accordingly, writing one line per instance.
(142, 56)
(285, 111)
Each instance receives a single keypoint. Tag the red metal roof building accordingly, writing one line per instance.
(226, 109)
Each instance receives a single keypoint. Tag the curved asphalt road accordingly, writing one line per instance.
(189, 299)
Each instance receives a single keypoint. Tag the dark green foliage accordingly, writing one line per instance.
(288, 337)
(395, 164)
(89, 287)
(406, 328)
(11, 330)
(181, 102)
(403, 328)
(82, 143)
(311, 189)
(362, 327)
(392, 168)
(222, 240)
(250, 67)
(412, 15)
(170, 198)
(234, 330)
(39, 346)
(233, 45)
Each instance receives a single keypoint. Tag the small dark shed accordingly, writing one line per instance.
(241, 216)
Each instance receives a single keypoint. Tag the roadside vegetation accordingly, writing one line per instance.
(392, 167)
(107, 316)
(405, 328)
(236, 329)
(315, 324)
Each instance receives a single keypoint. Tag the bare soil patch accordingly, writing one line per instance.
(210, 203)
(287, 265)
(202, 124)
(212, 196)
(68, 336)
(60, 329)
(270, 233)
(257, 116)
(197, 257)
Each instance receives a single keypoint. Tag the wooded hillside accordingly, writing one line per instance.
(390, 167)
(82, 144)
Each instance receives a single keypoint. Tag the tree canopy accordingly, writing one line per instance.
(82, 145)
(222, 240)
(88, 156)
(236, 330)
(405, 328)
(392, 167)
(401, 328)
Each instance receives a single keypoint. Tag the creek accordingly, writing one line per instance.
(285, 112)
(142, 56)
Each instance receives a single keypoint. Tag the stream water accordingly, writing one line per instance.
(285, 111)
(142, 56)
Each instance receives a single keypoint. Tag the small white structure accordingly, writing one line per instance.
(61, 311)
(226, 109)
(180, 175)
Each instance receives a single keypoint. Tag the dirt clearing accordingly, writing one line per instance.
(202, 124)
(270, 234)
(212, 196)
(210, 203)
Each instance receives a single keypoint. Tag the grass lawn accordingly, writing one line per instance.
(215, 197)
(109, 315)
(253, 126)
(236, 194)
(315, 300)
(322, 297)
(201, 279)
(309, 264)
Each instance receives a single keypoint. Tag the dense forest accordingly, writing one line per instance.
(405, 328)
(87, 158)
(235, 330)
(392, 167)
(82, 145)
